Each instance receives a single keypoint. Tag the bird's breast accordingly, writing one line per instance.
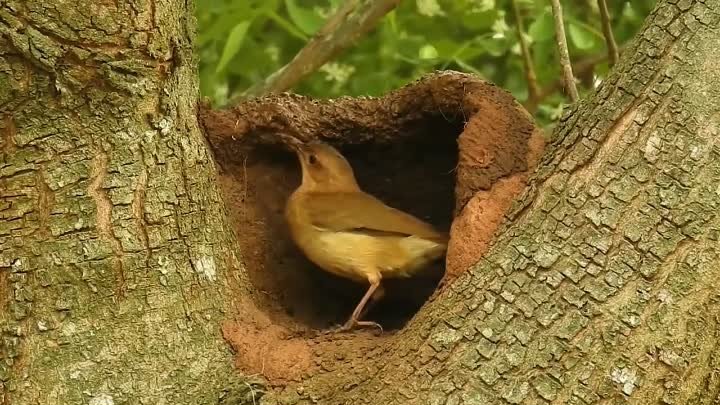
(354, 255)
(342, 253)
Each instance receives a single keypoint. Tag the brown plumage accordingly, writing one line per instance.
(353, 234)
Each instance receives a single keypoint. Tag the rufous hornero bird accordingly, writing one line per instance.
(352, 234)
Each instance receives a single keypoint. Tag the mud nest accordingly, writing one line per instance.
(449, 148)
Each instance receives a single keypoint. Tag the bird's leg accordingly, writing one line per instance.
(353, 321)
(374, 299)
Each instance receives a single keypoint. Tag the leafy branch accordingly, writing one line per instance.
(351, 20)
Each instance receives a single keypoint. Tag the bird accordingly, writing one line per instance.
(352, 234)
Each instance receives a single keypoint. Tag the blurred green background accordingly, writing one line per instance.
(241, 42)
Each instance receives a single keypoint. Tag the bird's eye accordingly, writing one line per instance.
(312, 159)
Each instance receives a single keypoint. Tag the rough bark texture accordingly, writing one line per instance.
(114, 259)
(115, 251)
(604, 286)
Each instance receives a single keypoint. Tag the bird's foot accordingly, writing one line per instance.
(371, 324)
(353, 324)
(350, 326)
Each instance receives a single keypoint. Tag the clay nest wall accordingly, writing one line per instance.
(449, 148)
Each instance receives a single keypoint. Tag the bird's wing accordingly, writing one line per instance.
(361, 212)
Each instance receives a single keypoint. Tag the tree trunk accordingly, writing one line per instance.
(115, 263)
(602, 287)
(118, 261)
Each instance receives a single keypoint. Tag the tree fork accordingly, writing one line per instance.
(602, 285)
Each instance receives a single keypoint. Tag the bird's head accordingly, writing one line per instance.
(324, 168)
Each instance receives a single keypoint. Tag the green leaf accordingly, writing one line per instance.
(542, 29)
(233, 44)
(480, 20)
(428, 52)
(286, 25)
(305, 19)
(467, 67)
(494, 46)
(397, 51)
(220, 26)
(446, 48)
(581, 37)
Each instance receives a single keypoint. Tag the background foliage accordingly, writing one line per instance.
(243, 41)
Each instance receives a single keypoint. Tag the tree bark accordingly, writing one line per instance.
(119, 266)
(603, 286)
(115, 265)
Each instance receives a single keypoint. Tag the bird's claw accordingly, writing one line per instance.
(353, 324)
(370, 324)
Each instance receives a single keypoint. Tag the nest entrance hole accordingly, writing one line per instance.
(414, 173)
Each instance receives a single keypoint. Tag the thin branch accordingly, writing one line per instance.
(568, 77)
(351, 20)
(581, 67)
(530, 76)
(612, 48)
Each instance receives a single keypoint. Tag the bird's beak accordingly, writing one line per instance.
(301, 149)
(294, 143)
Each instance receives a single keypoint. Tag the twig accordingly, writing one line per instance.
(612, 48)
(530, 76)
(568, 77)
(582, 66)
(352, 19)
